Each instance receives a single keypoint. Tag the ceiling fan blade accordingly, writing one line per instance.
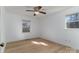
(42, 12)
(30, 10)
(37, 8)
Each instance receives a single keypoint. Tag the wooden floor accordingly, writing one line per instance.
(36, 46)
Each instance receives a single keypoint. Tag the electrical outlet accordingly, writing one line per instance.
(66, 40)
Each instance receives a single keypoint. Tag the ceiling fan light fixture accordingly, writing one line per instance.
(36, 12)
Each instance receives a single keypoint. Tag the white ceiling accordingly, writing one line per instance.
(21, 9)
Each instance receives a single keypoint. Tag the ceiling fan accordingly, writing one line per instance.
(37, 10)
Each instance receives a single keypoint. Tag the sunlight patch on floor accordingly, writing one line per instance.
(40, 43)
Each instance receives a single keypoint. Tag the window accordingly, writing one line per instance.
(72, 21)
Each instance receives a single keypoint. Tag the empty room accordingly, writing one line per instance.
(39, 29)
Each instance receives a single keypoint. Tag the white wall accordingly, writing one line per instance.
(0, 25)
(2, 28)
(14, 27)
(53, 28)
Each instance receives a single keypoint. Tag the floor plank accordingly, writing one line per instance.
(37, 45)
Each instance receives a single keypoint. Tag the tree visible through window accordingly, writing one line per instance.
(26, 26)
(72, 20)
